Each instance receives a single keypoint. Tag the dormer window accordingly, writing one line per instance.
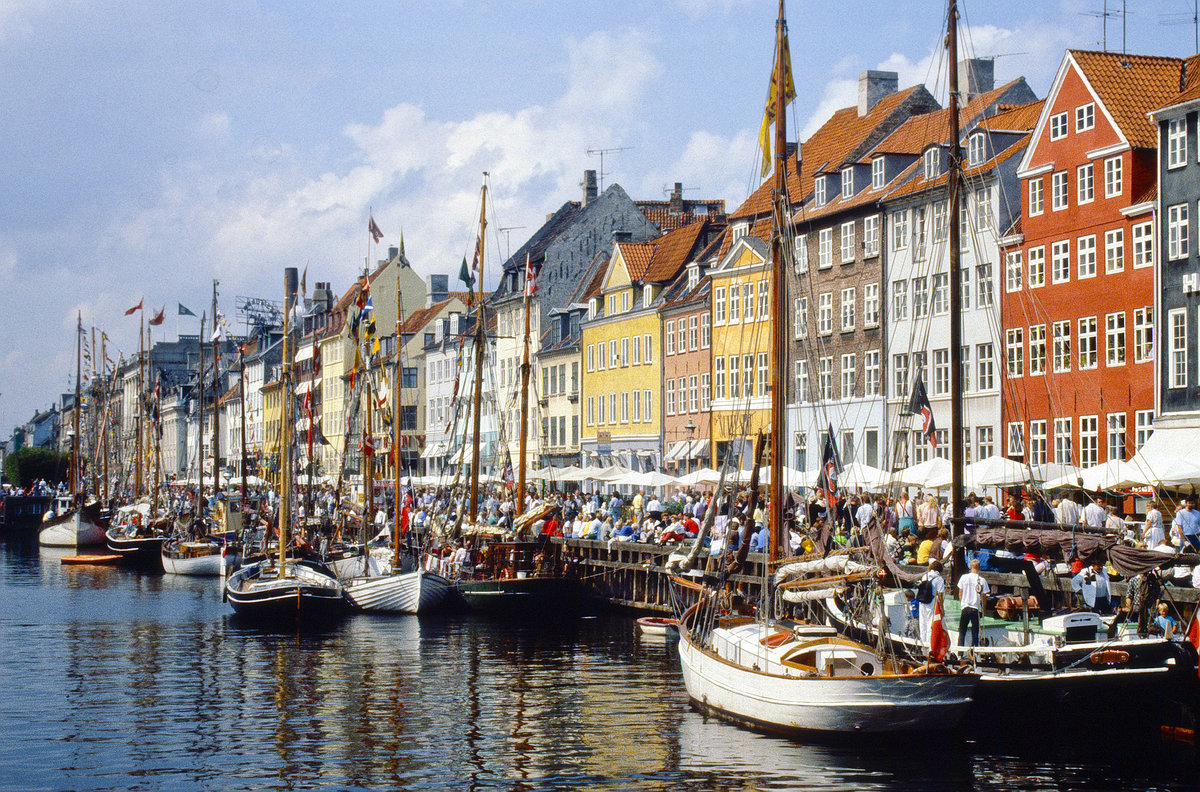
(647, 295)
(593, 307)
(819, 191)
(847, 183)
(932, 163)
(976, 149)
(877, 173)
(693, 273)
(625, 302)
(740, 230)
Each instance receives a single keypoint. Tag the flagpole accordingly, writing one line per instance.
(137, 475)
(480, 343)
(520, 499)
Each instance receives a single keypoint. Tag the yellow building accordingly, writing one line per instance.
(621, 338)
(272, 395)
(741, 348)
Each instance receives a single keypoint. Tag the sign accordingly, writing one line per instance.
(1191, 282)
(604, 443)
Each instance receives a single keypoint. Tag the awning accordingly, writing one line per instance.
(677, 451)
(699, 449)
(303, 387)
(435, 450)
(1167, 458)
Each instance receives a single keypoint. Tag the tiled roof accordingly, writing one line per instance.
(669, 218)
(594, 282)
(915, 134)
(1014, 118)
(423, 316)
(661, 259)
(911, 182)
(1130, 86)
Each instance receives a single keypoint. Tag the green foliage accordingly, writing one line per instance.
(25, 465)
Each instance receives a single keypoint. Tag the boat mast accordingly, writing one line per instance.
(285, 442)
(96, 417)
(216, 413)
(778, 331)
(480, 341)
(154, 477)
(141, 416)
(200, 426)
(76, 473)
(104, 414)
(396, 426)
(368, 456)
(953, 178)
(242, 434)
(520, 504)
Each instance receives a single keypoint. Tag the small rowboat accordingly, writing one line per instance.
(106, 560)
(658, 627)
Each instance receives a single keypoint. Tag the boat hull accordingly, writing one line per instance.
(196, 559)
(303, 593)
(141, 550)
(76, 529)
(408, 592)
(521, 596)
(822, 705)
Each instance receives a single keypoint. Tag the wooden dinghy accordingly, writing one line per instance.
(106, 559)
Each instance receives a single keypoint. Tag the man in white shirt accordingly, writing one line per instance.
(925, 609)
(1093, 515)
(1067, 512)
(972, 589)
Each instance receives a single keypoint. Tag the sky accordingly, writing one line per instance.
(148, 148)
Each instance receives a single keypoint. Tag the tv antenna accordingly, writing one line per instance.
(1104, 16)
(507, 231)
(1183, 18)
(601, 152)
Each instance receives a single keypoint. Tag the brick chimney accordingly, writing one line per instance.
(976, 76)
(873, 86)
(675, 207)
(589, 187)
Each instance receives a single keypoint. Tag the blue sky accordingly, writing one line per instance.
(148, 147)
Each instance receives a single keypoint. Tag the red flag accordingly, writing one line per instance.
(158, 317)
(530, 277)
(1193, 632)
(135, 308)
(939, 639)
(367, 446)
(376, 234)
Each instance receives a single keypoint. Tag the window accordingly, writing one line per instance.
(1114, 251)
(1085, 256)
(801, 451)
(591, 357)
(941, 371)
(1113, 177)
(1143, 335)
(920, 365)
(705, 331)
(637, 350)
(941, 293)
(637, 408)
(1144, 426)
(900, 377)
(800, 320)
(984, 288)
(848, 309)
(624, 302)
(1085, 117)
(408, 416)
(735, 304)
(591, 410)
(1177, 372)
(1177, 143)
(1014, 271)
(871, 236)
(1143, 245)
(920, 297)
(614, 359)
(1116, 436)
(1037, 267)
(878, 179)
(900, 229)
(920, 233)
(871, 305)
(1037, 349)
(1062, 441)
(646, 402)
(600, 357)
(747, 302)
(1058, 126)
(1089, 441)
(1060, 261)
(1062, 346)
(871, 372)
(763, 369)
(932, 162)
(847, 183)
(819, 191)
(612, 408)
(719, 305)
(764, 301)
(648, 356)
(1085, 187)
(825, 379)
(1115, 338)
(1058, 191)
(847, 449)
(1177, 231)
(1037, 442)
(625, 350)
(825, 248)
(802, 394)
(848, 375)
(976, 148)
(719, 375)
(625, 406)
(693, 333)
(985, 441)
(735, 377)
(847, 242)
(1087, 342)
(748, 375)
(900, 299)
(985, 366)
(681, 339)
(801, 254)
(1016, 439)
(705, 393)
(983, 210)
(825, 313)
(1037, 191)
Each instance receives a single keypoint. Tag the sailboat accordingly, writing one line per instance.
(280, 588)
(774, 673)
(73, 522)
(401, 586)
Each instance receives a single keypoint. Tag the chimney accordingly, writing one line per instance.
(622, 236)
(676, 205)
(873, 86)
(439, 289)
(589, 187)
(393, 251)
(976, 76)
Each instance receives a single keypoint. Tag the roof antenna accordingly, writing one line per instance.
(601, 153)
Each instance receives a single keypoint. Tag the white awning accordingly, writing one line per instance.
(304, 387)
(699, 449)
(435, 450)
(677, 451)
(304, 352)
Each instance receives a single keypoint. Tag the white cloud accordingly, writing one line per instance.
(214, 125)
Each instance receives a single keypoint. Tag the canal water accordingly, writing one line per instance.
(115, 680)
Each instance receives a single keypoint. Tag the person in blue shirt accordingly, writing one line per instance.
(1187, 524)
(758, 542)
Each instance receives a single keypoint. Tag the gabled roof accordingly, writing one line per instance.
(423, 316)
(670, 215)
(661, 259)
(910, 184)
(1130, 86)
(914, 135)
(1014, 118)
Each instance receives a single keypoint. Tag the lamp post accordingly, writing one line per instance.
(690, 428)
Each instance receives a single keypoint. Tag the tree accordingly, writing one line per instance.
(26, 465)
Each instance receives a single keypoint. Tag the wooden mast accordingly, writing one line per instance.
(480, 342)
(953, 178)
(285, 442)
(200, 426)
(520, 499)
(96, 418)
(778, 311)
(141, 417)
(216, 413)
(76, 473)
(396, 380)
(104, 414)
(242, 434)
(368, 456)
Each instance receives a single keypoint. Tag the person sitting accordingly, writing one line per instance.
(1163, 623)
(758, 540)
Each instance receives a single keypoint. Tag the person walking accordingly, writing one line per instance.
(972, 594)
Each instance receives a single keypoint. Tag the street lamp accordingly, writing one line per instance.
(690, 428)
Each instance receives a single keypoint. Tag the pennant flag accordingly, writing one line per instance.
(789, 93)
(304, 281)
(376, 234)
(939, 639)
(919, 405)
(135, 308)
(216, 336)
(185, 311)
(158, 317)
(831, 468)
(530, 277)
(464, 275)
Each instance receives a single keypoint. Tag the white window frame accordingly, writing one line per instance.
(1114, 177)
(1176, 143)
(1177, 360)
(1114, 251)
(819, 191)
(976, 149)
(849, 374)
(1085, 117)
(825, 313)
(847, 240)
(872, 372)
(1037, 267)
(900, 229)
(932, 162)
(1088, 356)
(847, 183)
(878, 173)
(870, 236)
(1116, 436)
(1058, 125)
(849, 309)
(1177, 232)
(1114, 338)
(1085, 256)
(1143, 245)
(1037, 196)
(1059, 197)
(1060, 261)
(870, 305)
(1143, 334)
(1014, 271)
(1085, 183)
(825, 248)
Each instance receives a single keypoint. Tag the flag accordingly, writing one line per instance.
(1192, 635)
(367, 446)
(158, 317)
(530, 277)
(135, 308)
(464, 275)
(919, 405)
(939, 639)
(831, 468)
(185, 311)
(376, 234)
(304, 280)
(789, 93)
(216, 336)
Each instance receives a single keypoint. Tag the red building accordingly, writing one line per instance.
(1077, 308)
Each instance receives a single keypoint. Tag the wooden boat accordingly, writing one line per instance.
(300, 590)
(203, 557)
(107, 559)
(658, 627)
(134, 538)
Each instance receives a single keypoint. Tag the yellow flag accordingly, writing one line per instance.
(789, 93)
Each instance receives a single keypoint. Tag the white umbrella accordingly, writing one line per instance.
(609, 473)
(1113, 474)
(574, 474)
(701, 476)
(795, 479)
(651, 479)
(995, 471)
(920, 474)
(857, 475)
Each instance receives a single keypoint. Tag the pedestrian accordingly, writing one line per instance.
(972, 596)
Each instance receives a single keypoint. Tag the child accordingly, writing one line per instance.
(1164, 623)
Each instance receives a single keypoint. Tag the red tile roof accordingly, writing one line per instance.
(661, 259)
(423, 316)
(915, 134)
(1014, 118)
(910, 185)
(1130, 86)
